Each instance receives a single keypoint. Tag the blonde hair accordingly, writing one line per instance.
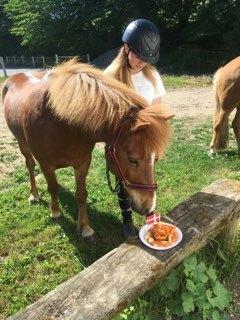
(119, 69)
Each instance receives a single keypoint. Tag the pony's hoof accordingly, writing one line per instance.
(212, 153)
(87, 232)
(32, 199)
(129, 230)
(56, 214)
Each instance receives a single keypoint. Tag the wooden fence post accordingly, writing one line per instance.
(229, 236)
(88, 57)
(14, 59)
(33, 62)
(22, 59)
(43, 61)
(56, 59)
(3, 66)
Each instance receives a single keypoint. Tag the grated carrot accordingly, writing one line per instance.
(161, 235)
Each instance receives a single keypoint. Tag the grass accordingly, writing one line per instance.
(173, 81)
(176, 81)
(37, 254)
(2, 79)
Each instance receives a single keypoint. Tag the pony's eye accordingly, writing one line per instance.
(133, 161)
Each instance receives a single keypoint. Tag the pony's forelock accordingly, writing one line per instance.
(155, 137)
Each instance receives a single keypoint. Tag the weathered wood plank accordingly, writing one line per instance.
(107, 286)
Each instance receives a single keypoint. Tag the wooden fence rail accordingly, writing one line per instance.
(102, 290)
(2, 65)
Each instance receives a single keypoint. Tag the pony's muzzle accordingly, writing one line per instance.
(140, 204)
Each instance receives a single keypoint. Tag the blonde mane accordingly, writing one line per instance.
(82, 95)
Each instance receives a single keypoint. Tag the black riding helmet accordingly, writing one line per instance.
(142, 37)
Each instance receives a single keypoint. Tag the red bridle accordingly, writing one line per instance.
(112, 153)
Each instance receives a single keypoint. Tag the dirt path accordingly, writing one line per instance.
(191, 102)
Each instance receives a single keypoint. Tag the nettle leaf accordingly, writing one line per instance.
(163, 289)
(190, 264)
(202, 303)
(201, 277)
(216, 315)
(188, 304)
(175, 306)
(200, 289)
(190, 285)
(201, 268)
(169, 284)
(207, 314)
(173, 281)
(222, 298)
(218, 288)
(216, 302)
(209, 293)
(212, 274)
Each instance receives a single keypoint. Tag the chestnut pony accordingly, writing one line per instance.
(227, 96)
(58, 117)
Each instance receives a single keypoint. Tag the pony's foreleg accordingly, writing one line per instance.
(220, 132)
(81, 198)
(30, 164)
(53, 189)
(236, 127)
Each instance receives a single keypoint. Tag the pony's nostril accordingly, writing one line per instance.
(146, 211)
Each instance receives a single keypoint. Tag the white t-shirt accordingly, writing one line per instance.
(145, 88)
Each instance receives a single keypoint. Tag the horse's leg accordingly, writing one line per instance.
(125, 206)
(30, 164)
(81, 198)
(236, 127)
(220, 132)
(53, 189)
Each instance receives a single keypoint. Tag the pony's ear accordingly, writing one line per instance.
(139, 125)
(161, 111)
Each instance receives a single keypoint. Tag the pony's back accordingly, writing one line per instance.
(226, 88)
(226, 84)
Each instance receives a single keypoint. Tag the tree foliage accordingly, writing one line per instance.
(80, 26)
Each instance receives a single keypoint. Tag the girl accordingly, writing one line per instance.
(132, 66)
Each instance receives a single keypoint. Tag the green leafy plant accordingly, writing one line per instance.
(193, 291)
(190, 292)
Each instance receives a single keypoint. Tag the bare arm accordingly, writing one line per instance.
(157, 101)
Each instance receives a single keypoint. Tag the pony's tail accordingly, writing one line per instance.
(220, 119)
(4, 90)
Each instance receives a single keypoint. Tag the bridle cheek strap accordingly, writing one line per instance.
(112, 154)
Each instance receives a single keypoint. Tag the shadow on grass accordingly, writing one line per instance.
(107, 229)
(234, 153)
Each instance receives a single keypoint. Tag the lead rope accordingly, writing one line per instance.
(113, 190)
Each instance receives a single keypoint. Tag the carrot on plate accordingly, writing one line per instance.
(161, 235)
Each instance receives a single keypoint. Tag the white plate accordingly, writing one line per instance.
(147, 227)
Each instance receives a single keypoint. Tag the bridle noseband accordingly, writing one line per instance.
(111, 152)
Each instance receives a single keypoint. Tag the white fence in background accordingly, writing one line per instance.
(36, 61)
